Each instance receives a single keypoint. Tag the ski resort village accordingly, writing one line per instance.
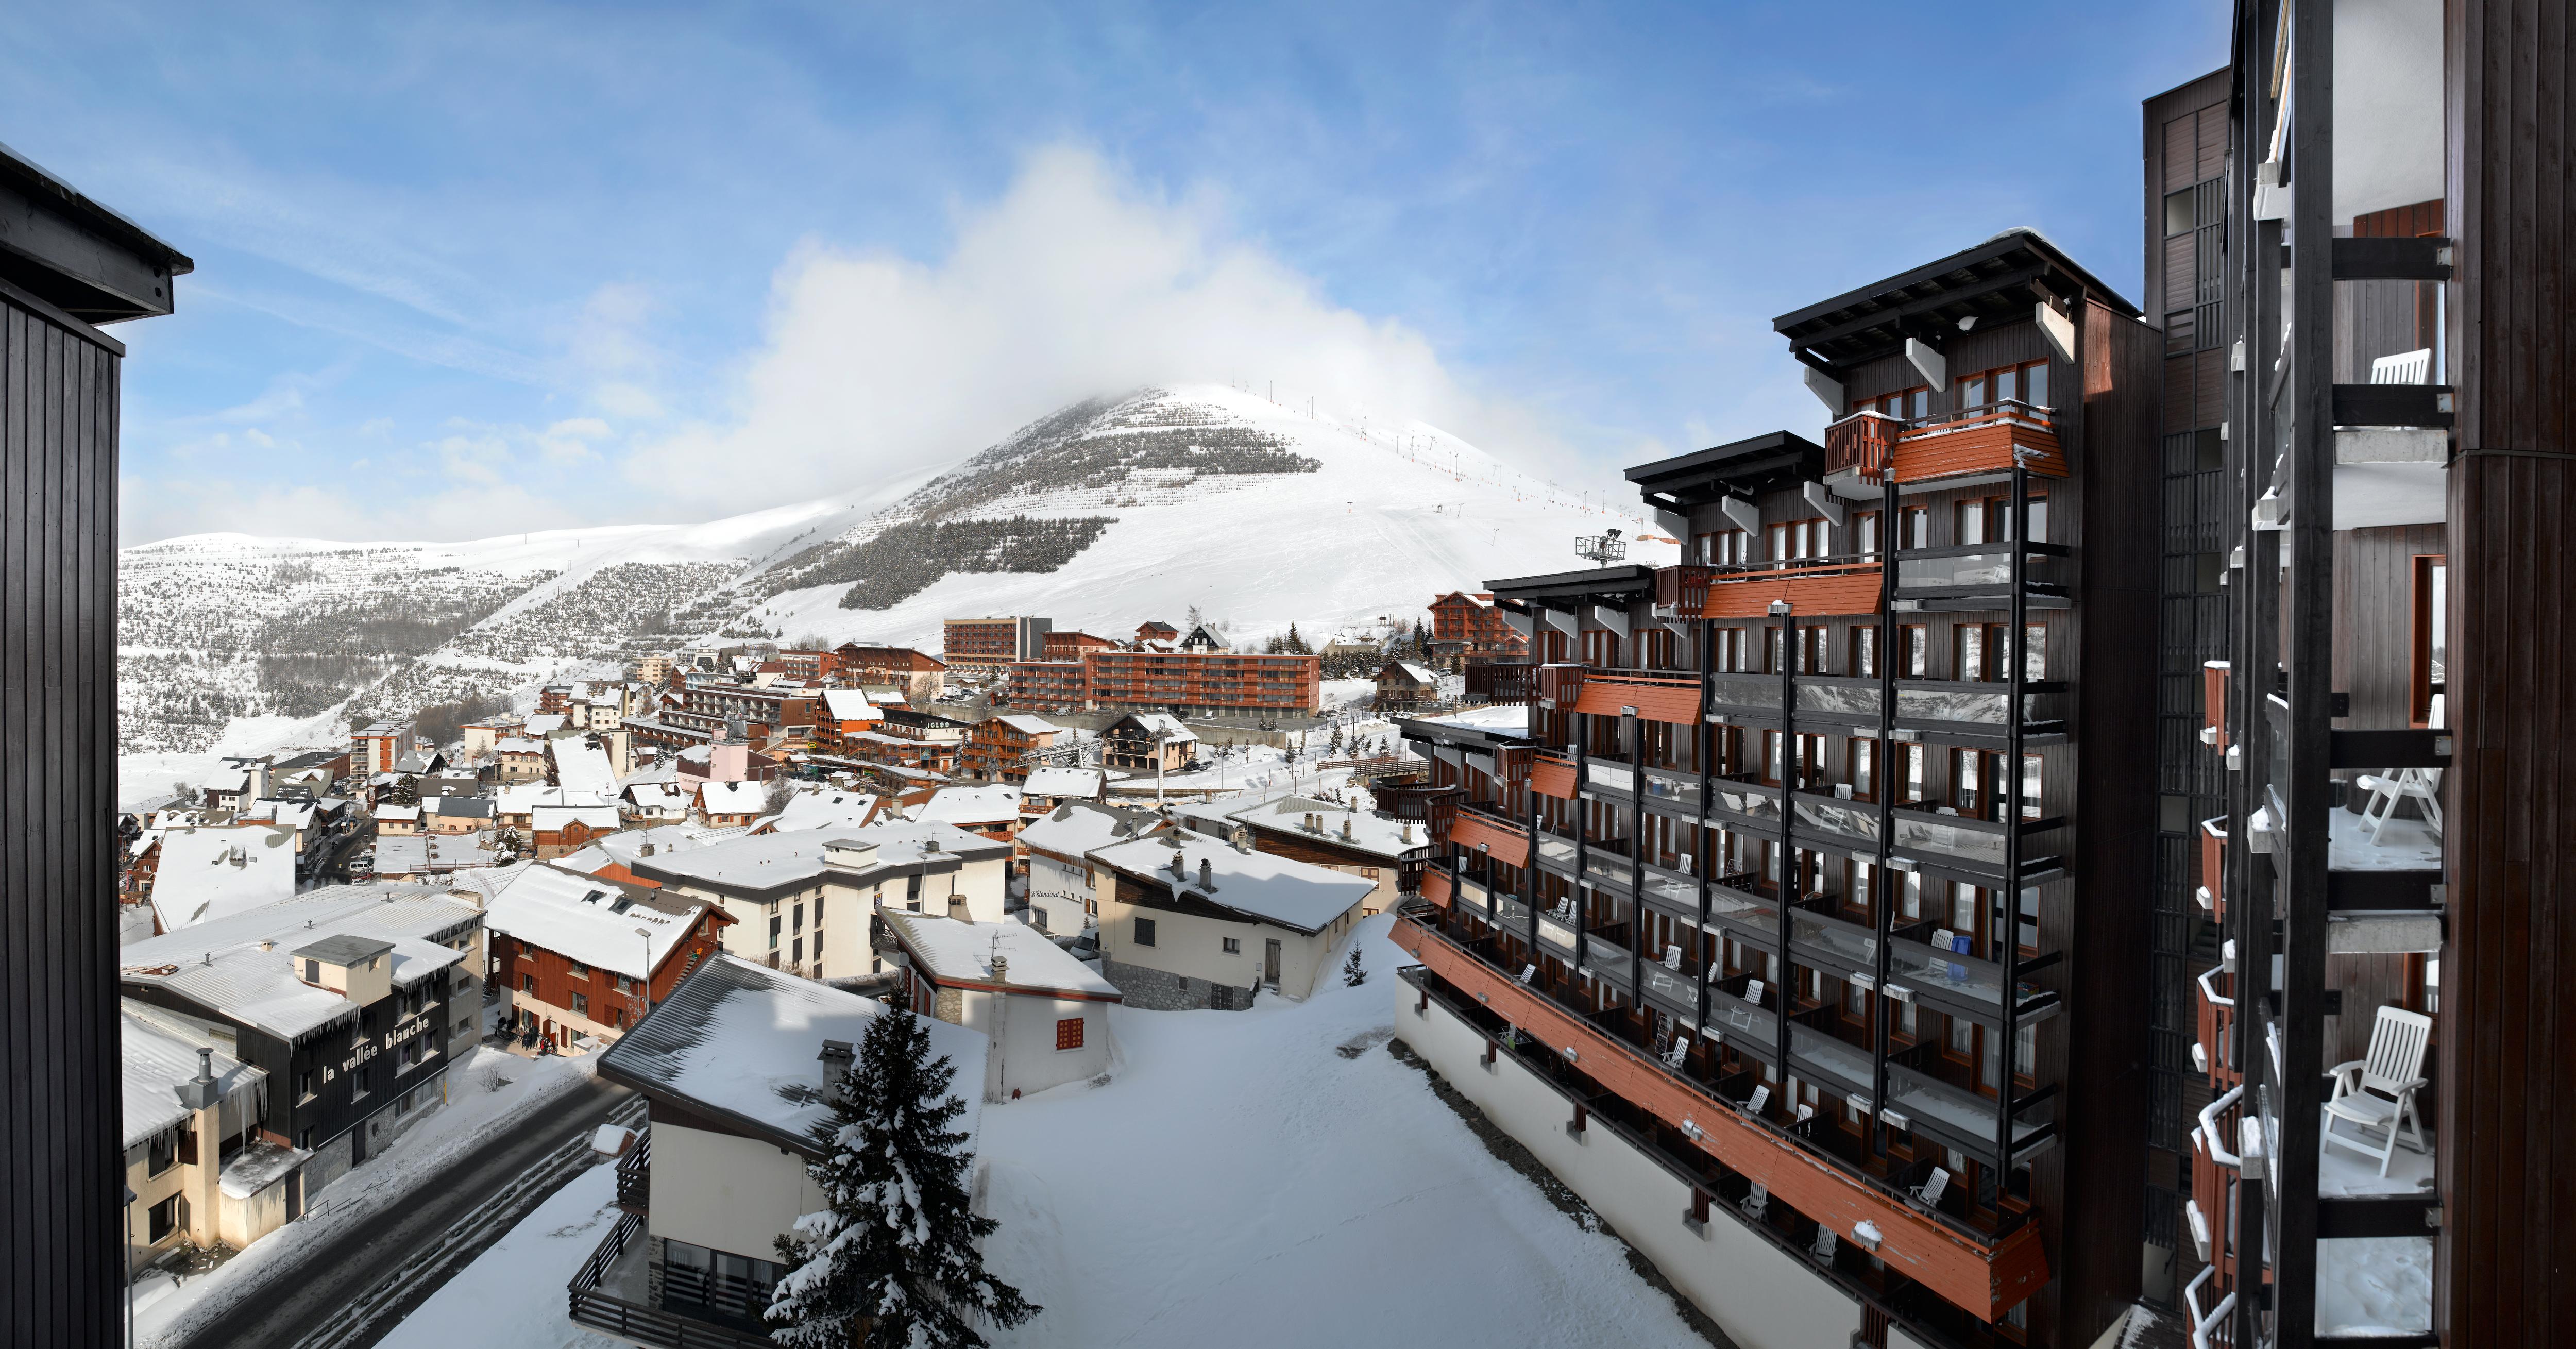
(1273, 695)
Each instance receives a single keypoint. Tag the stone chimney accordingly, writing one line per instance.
(836, 1058)
(1207, 875)
(1001, 969)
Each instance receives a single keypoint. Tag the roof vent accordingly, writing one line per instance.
(1346, 826)
(267, 945)
(836, 1057)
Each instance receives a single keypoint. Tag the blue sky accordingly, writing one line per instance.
(473, 269)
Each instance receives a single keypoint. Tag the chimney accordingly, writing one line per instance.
(836, 1058)
(1346, 826)
(646, 850)
(1001, 969)
(1207, 875)
(200, 1092)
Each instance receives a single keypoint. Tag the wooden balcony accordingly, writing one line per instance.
(1860, 448)
(1991, 439)
(2212, 995)
(1437, 887)
(1506, 841)
(1985, 1277)
(1656, 695)
(2213, 705)
(1553, 775)
(1819, 587)
(2213, 867)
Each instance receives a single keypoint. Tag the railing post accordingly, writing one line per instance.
(2016, 678)
(1781, 885)
(1882, 876)
(1700, 940)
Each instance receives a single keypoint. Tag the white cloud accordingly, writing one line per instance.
(1073, 283)
(165, 508)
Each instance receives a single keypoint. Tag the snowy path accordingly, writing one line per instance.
(1240, 1182)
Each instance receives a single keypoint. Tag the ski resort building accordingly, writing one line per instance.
(920, 677)
(1050, 685)
(1464, 625)
(577, 955)
(1402, 686)
(991, 645)
(195, 1162)
(1781, 930)
(803, 902)
(1146, 742)
(738, 1066)
(1189, 921)
(378, 747)
(1007, 746)
(1206, 683)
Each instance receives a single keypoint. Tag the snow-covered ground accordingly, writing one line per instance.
(474, 1110)
(1237, 1181)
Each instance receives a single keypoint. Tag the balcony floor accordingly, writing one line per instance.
(2374, 1286)
(2404, 845)
(2345, 1173)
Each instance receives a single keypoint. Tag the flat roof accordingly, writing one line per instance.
(1997, 279)
(1602, 582)
(78, 255)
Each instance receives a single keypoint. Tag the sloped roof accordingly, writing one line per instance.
(218, 963)
(953, 951)
(594, 919)
(1293, 894)
(156, 1056)
(979, 803)
(213, 872)
(1082, 782)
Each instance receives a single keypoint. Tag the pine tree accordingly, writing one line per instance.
(1353, 973)
(893, 1262)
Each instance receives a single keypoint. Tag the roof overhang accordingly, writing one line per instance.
(1566, 589)
(1998, 280)
(1757, 463)
(76, 255)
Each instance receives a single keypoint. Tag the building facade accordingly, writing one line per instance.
(1207, 683)
(991, 645)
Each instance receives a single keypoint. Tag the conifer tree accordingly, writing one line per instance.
(892, 1263)
(1354, 974)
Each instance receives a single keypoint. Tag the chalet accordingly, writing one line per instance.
(1048, 788)
(1196, 922)
(352, 1000)
(840, 714)
(397, 821)
(579, 955)
(654, 803)
(216, 871)
(1064, 883)
(1073, 646)
(195, 1162)
(913, 724)
(1154, 632)
(732, 803)
(1002, 746)
(991, 809)
(805, 899)
(557, 829)
(739, 1067)
(1202, 641)
(1464, 625)
(581, 763)
(1148, 741)
(236, 784)
(1045, 1013)
(1402, 685)
(1386, 852)
(456, 814)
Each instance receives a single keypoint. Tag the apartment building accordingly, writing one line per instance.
(920, 676)
(990, 645)
(576, 955)
(1744, 889)
(377, 747)
(1205, 683)
(2384, 1067)
(1074, 645)
(1050, 685)
(1005, 747)
(1464, 625)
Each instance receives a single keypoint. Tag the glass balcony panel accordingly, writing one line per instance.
(1846, 943)
(1858, 823)
(1745, 690)
(1605, 960)
(1969, 569)
(1925, 968)
(1673, 986)
(1977, 708)
(1918, 834)
(1839, 1065)
(1956, 1110)
(1839, 699)
(1733, 1021)
(1749, 800)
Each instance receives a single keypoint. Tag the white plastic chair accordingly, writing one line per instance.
(1761, 1097)
(1823, 1250)
(1680, 1050)
(1753, 992)
(2410, 367)
(1933, 1187)
(2379, 1092)
(1758, 1203)
(2420, 785)
(1672, 957)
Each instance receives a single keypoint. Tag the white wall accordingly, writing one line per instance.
(1058, 892)
(2388, 105)
(1761, 1296)
(1022, 1028)
(726, 1192)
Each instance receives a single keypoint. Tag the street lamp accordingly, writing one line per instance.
(647, 934)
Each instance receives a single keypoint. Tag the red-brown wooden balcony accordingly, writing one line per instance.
(1979, 440)
(2213, 705)
(1983, 1274)
(1654, 695)
(1860, 447)
(1436, 886)
(2213, 867)
(1819, 587)
(2215, 1050)
(1471, 828)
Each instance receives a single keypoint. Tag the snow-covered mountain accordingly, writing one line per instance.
(1102, 515)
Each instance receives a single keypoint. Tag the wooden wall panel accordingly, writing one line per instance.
(61, 1113)
(2375, 620)
(2508, 1088)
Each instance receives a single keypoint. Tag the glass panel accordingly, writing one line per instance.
(1971, 569)
(1847, 699)
(1740, 691)
(1915, 833)
(2035, 393)
(1950, 705)
(1850, 822)
(2006, 385)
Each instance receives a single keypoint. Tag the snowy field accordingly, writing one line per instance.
(1237, 1181)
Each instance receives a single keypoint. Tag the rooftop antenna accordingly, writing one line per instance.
(1604, 548)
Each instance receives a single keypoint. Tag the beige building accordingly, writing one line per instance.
(194, 1159)
(1190, 921)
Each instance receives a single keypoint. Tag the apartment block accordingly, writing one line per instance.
(1205, 683)
(990, 645)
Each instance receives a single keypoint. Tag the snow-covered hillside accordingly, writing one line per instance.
(1105, 514)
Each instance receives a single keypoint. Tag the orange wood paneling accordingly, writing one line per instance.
(1978, 449)
(1509, 845)
(1655, 700)
(1435, 886)
(1846, 591)
(1553, 777)
(1984, 1279)
(2213, 702)
(2213, 870)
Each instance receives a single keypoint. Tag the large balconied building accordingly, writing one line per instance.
(1798, 923)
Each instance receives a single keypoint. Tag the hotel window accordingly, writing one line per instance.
(2033, 779)
(774, 922)
(1068, 1033)
(580, 970)
(1914, 527)
(1906, 403)
(1968, 652)
(1863, 770)
(581, 1004)
(2429, 671)
(799, 917)
(528, 984)
(1772, 639)
(1967, 781)
(1908, 762)
(1864, 650)
(1811, 649)
(1864, 533)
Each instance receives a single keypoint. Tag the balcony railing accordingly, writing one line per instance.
(609, 1293)
(1989, 439)
(2215, 1050)
(1654, 695)
(1982, 1272)
(1862, 445)
(635, 1177)
(1811, 587)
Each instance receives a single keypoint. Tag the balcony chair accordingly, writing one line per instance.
(1757, 1205)
(1805, 1125)
(1823, 1250)
(1754, 1103)
(2423, 786)
(1753, 992)
(1529, 974)
(1673, 958)
(2410, 367)
(1680, 1051)
(1932, 1188)
(2379, 1092)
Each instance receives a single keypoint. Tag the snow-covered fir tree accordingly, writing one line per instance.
(892, 1263)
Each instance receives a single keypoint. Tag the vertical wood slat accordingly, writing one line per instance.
(2507, 1162)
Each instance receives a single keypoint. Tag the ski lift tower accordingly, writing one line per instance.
(1602, 549)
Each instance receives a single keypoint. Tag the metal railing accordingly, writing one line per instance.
(635, 1176)
(644, 1325)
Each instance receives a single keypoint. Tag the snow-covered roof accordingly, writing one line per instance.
(544, 724)
(1081, 782)
(827, 809)
(1418, 674)
(583, 767)
(1497, 718)
(562, 817)
(214, 872)
(594, 921)
(764, 862)
(658, 798)
(518, 744)
(1367, 831)
(284, 814)
(953, 951)
(980, 803)
(733, 798)
(228, 780)
(157, 1054)
(393, 812)
(219, 964)
(422, 854)
(1165, 722)
(625, 847)
(1281, 890)
(1074, 828)
(1028, 725)
(744, 1042)
(850, 705)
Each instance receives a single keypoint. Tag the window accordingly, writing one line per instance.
(312, 971)
(1967, 780)
(1233, 945)
(163, 1153)
(528, 984)
(1968, 652)
(1914, 527)
(580, 970)
(1863, 769)
(581, 1004)
(168, 1216)
(1068, 1033)
(774, 921)
(305, 1082)
(800, 918)
(1908, 761)
(1864, 533)
(1969, 518)
(2034, 651)
(1811, 649)
(2432, 659)
(1144, 932)
(1864, 651)
(1917, 648)
(1904, 403)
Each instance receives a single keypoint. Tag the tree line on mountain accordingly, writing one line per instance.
(906, 559)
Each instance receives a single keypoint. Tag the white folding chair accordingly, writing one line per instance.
(1933, 1187)
(1680, 1050)
(2420, 785)
(1823, 1250)
(1753, 992)
(2379, 1092)
(1528, 973)
(1761, 1097)
(2410, 367)
(1758, 1203)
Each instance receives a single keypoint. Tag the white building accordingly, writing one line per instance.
(1046, 1013)
(193, 1157)
(217, 872)
(1191, 921)
(736, 1066)
(1064, 883)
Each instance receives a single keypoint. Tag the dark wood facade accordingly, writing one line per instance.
(65, 264)
(2508, 1086)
